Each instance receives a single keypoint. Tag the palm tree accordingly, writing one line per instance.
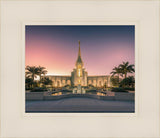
(126, 68)
(28, 83)
(116, 70)
(32, 72)
(46, 81)
(41, 71)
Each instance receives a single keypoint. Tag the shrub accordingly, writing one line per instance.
(109, 88)
(91, 91)
(118, 90)
(39, 89)
(46, 81)
(115, 81)
(128, 82)
(130, 89)
(28, 89)
(66, 90)
(67, 85)
(90, 85)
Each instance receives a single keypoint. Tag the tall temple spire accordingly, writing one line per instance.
(79, 59)
(79, 51)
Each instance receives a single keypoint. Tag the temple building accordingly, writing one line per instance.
(79, 76)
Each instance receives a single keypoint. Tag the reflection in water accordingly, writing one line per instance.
(58, 93)
(101, 94)
(97, 93)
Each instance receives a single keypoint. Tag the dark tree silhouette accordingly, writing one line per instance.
(125, 68)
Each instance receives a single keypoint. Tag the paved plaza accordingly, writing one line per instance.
(80, 105)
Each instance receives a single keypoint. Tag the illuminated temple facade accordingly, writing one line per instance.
(80, 76)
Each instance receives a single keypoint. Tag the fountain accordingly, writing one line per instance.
(78, 90)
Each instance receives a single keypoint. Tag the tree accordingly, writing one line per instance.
(46, 81)
(116, 71)
(28, 83)
(32, 72)
(128, 82)
(115, 81)
(105, 85)
(41, 71)
(126, 68)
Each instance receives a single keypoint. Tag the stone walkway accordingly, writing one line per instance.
(80, 105)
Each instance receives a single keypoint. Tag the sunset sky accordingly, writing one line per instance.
(102, 47)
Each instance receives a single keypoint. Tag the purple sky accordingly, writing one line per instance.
(102, 47)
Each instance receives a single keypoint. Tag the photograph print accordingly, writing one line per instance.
(80, 69)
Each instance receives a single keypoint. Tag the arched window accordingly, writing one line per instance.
(68, 82)
(100, 83)
(94, 83)
(89, 82)
(53, 83)
(58, 83)
(63, 82)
